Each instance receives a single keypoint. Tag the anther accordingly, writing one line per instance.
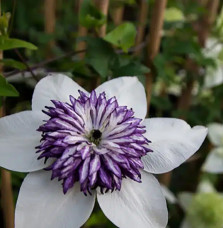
(96, 134)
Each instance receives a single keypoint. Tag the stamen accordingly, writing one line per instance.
(94, 141)
(96, 134)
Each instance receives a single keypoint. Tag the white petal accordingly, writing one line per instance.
(42, 204)
(18, 139)
(173, 142)
(214, 77)
(215, 133)
(214, 161)
(136, 205)
(54, 87)
(129, 92)
(185, 199)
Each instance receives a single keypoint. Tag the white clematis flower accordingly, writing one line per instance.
(213, 77)
(214, 160)
(97, 145)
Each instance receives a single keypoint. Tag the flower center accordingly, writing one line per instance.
(94, 141)
(95, 136)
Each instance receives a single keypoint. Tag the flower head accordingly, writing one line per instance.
(97, 143)
(214, 160)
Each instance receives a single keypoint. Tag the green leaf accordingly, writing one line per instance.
(9, 43)
(6, 89)
(220, 55)
(162, 103)
(173, 14)
(13, 63)
(131, 69)
(4, 23)
(90, 16)
(99, 55)
(122, 36)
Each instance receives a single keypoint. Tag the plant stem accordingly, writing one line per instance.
(82, 31)
(117, 14)
(102, 5)
(207, 21)
(143, 14)
(7, 198)
(156, 26)
(26, 64)
(50, 22)
(41, 64)
(6, 188)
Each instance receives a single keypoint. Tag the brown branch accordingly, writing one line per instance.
(117, 14)
(7, 199)
(156, 26)
(207, 20)
(26, 64)
(50, 22)
(143, 14)
(41, 64)
(6, 188)
(82, 31)
(102, 5)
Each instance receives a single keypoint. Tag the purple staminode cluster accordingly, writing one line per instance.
(94, 141)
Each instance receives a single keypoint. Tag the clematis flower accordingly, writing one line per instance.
(204, 208)
(213, 77)
(214, 160)
(96, 145)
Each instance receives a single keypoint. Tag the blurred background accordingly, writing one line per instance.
(174, 47)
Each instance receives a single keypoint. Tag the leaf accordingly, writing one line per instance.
(4, 23)
(162, 103)
(122, 36)
(90, 16)
(80, 70)
(220, 55)
(9, 43)
(131, 69)
(6, 89)
(13, 63)
(159, 63)
(99, 55)
(173, 14)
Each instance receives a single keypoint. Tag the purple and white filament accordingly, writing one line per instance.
(94, 141)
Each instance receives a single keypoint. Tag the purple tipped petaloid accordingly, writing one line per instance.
(94, 141)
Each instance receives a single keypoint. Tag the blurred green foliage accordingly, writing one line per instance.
(6, 89)
(90, 16)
